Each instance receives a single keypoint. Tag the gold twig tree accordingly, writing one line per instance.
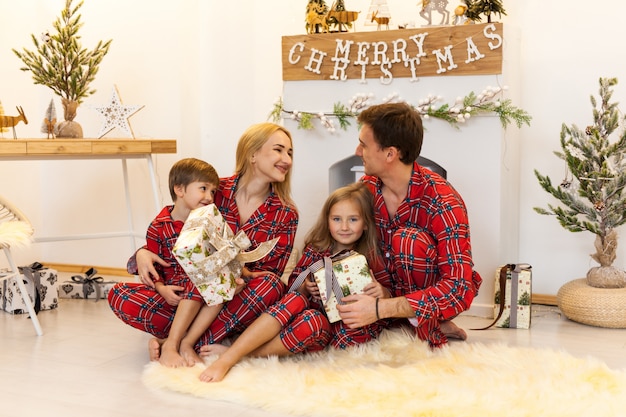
(60, 63)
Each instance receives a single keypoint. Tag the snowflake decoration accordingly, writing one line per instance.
(116, 115)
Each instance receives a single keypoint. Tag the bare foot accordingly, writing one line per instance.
(452, 331)
(154, 348)
(189, 355)
(214, 349)
(170, 356)
(215, 372)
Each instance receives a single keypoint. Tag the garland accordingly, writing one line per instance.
(464, 108)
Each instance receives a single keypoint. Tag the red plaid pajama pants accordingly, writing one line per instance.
(143, 308)
(415, 257)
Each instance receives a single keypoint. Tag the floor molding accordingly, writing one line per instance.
(79, 269)
(544, 299)
(480, 310)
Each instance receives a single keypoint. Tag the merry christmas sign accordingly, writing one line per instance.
(406, 53)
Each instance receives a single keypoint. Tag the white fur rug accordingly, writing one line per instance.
(399, 376)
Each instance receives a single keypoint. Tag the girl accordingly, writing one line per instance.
(257, 200)
(297, 323)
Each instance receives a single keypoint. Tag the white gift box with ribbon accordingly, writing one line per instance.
(212, 255)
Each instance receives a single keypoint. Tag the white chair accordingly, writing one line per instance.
(16, 231)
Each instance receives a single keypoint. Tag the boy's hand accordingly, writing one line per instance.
(170, 293)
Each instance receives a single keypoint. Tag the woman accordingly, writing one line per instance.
(257, 200)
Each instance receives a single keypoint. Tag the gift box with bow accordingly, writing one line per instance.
(338, 276)
(42, 286)
(212, 255)
(86, 286)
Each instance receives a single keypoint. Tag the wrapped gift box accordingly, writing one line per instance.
(40, 282)
(212, 256)
(90, 290)
(516, 281)
(351, 273)
(87, 286)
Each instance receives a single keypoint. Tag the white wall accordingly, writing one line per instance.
(206, 70)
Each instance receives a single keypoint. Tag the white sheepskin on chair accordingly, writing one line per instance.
(16, 234)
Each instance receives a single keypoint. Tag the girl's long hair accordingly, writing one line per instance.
(319, 235)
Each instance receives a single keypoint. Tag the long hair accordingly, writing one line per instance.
(319, 236)
(188, 170)
(250, 142)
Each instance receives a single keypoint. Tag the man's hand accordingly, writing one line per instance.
(359, 310)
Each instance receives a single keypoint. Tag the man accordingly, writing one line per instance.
(423, 231)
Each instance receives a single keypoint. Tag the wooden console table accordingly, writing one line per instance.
(62, 149)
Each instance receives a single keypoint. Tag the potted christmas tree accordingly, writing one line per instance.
(61, 64)
(592, 194)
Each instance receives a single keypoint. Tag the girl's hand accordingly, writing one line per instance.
(310, 286)
(376, 290)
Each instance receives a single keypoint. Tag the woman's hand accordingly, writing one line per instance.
(145, 266)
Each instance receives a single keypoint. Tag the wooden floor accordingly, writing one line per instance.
(89, 363)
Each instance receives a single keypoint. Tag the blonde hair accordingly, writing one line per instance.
(189, 170)
(250, 142)
(319, 236)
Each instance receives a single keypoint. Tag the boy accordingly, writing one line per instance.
(192, 184)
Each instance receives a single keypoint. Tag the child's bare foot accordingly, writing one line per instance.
(170, 356)
(215, 372)
(452, 331)
(189, 355)
(154, 348)
(213, 349)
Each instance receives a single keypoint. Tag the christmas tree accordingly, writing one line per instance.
(60, 63)
(476, 8)
(2, 129)
(592, 191)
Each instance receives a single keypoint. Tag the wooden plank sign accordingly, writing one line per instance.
(387, 54)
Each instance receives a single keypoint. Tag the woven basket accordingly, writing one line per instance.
(602, 307)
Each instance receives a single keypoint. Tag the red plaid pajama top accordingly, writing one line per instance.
(142, 307)
(426, 251)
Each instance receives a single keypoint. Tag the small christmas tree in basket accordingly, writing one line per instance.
(594, 194)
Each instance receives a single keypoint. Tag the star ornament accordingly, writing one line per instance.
(116, 115)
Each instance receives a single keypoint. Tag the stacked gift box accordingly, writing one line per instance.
(41, 284)
(86, 286)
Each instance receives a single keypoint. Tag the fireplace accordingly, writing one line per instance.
(349, 170)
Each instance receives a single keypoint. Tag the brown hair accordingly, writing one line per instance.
(251, 141)
(398, 125)
(189, 170)
(319, 235)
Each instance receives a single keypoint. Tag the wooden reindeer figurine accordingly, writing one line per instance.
(380, 20)
(11, 121)
(49, 125)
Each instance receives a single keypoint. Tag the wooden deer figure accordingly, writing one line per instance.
(11, 121)
(380, 20)
(428, 6)
(49, 124)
